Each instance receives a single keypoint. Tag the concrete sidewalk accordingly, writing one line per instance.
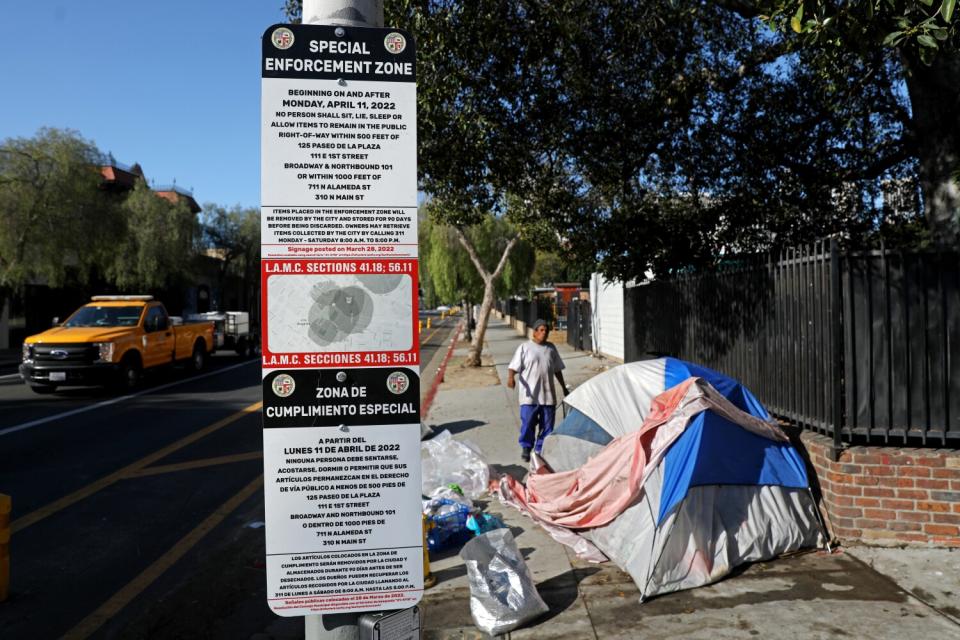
(852, 593)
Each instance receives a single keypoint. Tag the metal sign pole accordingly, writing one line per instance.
(351, 13)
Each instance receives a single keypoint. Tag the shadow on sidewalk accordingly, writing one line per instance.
(515, 471)
(560, 592)
(457, 426)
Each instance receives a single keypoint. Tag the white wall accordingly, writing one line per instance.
(606, 300)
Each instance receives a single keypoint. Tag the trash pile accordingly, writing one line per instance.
(454, 475)
(447, 519)
(445, 461)
(503, 595)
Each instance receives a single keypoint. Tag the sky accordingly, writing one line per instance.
(173, 85)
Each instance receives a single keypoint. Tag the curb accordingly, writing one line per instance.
(437, 379)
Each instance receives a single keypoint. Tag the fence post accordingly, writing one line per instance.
(836, 343)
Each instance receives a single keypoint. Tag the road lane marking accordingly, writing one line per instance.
(105, 403)
(195, 464)
(36, 516)
(432, 333)
(443, 325)
(135, 587)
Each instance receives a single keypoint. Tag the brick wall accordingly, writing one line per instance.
(888, 495)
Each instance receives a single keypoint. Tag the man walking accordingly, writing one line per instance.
(535, 363)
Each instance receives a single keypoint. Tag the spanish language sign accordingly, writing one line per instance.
(341, 383)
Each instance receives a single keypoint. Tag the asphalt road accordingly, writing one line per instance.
(141, 516)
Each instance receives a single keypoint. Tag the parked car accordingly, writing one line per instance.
(113, 340)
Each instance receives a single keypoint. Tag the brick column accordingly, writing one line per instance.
(889, 495)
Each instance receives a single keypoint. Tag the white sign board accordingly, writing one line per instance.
(341, 352)
(338, 147)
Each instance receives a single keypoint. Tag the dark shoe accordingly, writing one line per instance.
(525, 455)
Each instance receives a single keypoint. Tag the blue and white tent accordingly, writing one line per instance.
(617, 401)
(726, 488)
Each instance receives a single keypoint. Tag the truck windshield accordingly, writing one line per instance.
(104, 317)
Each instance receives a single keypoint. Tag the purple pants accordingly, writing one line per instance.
(531, 416)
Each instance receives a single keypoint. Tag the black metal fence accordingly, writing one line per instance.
(579, 324)
(527, 311)
(561, 313)
(861, 346)
(902, 344)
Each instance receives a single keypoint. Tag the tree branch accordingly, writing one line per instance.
(474, 258)
(744, 9)
(503, 258)
(876, 168)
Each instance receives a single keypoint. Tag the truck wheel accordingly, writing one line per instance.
(130, 375)
(42, 388)
(199, 358)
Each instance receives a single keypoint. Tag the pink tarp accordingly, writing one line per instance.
(600, 490)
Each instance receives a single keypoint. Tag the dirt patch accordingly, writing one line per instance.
(460, 376)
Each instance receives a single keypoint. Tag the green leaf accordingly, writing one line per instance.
(929, 3)
(946, 9)
(796, 22)
(891, 37)
(927, 41)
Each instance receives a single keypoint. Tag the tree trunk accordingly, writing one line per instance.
(476, 347)
(489, 280)
(935, 99)
(466, 320)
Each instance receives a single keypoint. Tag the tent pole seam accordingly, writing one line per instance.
(656, 531)
(820, 521)
(653, 545)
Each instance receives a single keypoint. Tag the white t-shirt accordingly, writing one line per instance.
(536, 365)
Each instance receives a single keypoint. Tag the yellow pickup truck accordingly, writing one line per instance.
(111, 341)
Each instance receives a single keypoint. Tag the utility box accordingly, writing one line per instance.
(391, 625)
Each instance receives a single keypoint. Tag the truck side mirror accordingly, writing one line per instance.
(55, 321)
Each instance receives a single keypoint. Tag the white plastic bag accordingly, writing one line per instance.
(502, 593)
(445, 460)
(449, 494)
